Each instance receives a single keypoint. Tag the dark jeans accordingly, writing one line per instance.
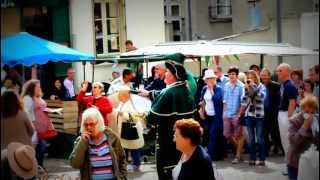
(271, 130)
(292, 172)
(215, 138)
(255, 127)
(40, 150)
(135, 154)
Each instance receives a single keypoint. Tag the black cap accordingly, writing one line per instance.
(177, 70)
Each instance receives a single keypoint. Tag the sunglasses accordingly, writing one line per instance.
(90, 124)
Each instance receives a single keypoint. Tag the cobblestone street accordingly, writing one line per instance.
(272, 170)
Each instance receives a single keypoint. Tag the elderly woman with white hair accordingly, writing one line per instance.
(102, 103)
(98, 152)
(127, 112)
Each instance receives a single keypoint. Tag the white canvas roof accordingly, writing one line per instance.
(220, 48)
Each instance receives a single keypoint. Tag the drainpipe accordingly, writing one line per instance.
(189, 20)
(279, 28)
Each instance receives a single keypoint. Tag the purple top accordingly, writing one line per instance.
(300, 139)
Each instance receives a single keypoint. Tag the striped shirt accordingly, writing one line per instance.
(232, 97)
(100, 160)
(256, 105)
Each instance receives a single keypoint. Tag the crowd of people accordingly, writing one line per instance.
(195, 123)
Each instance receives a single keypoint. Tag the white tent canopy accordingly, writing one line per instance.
(221, 48)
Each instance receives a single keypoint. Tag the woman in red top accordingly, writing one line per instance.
(102, 103)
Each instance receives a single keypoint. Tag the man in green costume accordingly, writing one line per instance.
(169, 105)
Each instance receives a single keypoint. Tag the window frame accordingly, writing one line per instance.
(120, 24)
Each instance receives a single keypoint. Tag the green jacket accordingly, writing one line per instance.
(79, 158)
(171, 104)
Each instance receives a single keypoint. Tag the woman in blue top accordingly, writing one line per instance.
(194, 163)
(212, 99)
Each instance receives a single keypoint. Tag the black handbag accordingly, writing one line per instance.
(129, 130)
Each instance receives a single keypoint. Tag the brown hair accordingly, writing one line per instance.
(189, 128)
(10, 104)
(297, 72)
(28, 88)
(128, 42)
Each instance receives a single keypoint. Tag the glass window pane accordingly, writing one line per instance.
(112, 9)
(99, 45)
(97, 11)
(113, 43)
(175, 10)
(112, 26)
(176, 38)
(165, 10)
(176, 25)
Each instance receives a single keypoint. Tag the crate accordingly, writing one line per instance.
(67, 122)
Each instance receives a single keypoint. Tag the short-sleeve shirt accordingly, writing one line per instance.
(287, 92)
(232, 97)
(68, 84)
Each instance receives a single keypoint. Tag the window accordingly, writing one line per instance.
(224, 8)
(165, 10)
(107, 26)
(220, 9)
(176, 38)
(175, 10)
(176, 25)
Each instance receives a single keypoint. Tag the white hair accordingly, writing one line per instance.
(99, 84)
(92, 113)
(286, 66)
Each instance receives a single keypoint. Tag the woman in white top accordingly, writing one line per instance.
(126, 109)
(212, 100)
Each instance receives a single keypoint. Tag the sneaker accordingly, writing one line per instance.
(136, 168)
(261, 163)
(236, 161)
(284, 173)
(252, 163)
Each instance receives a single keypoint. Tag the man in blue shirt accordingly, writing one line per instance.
(221, 79)
(158, 82)
(287, 106)
(232, 96)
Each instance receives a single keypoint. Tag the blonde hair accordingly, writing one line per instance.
(310, 101)
(95, 114)
(242, 77)
(255, 75)
(28, 88)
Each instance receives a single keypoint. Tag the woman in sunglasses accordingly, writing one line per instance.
(97, 100)
(98, 152)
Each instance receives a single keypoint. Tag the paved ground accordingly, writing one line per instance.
(272, 170)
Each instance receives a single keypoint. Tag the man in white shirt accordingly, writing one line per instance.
(68, 83)
(124, 80)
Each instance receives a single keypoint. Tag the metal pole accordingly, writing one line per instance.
(279, 26)
(93, 62)
(84, 70)
(261, 61)
(200, 69)
(189, 20)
